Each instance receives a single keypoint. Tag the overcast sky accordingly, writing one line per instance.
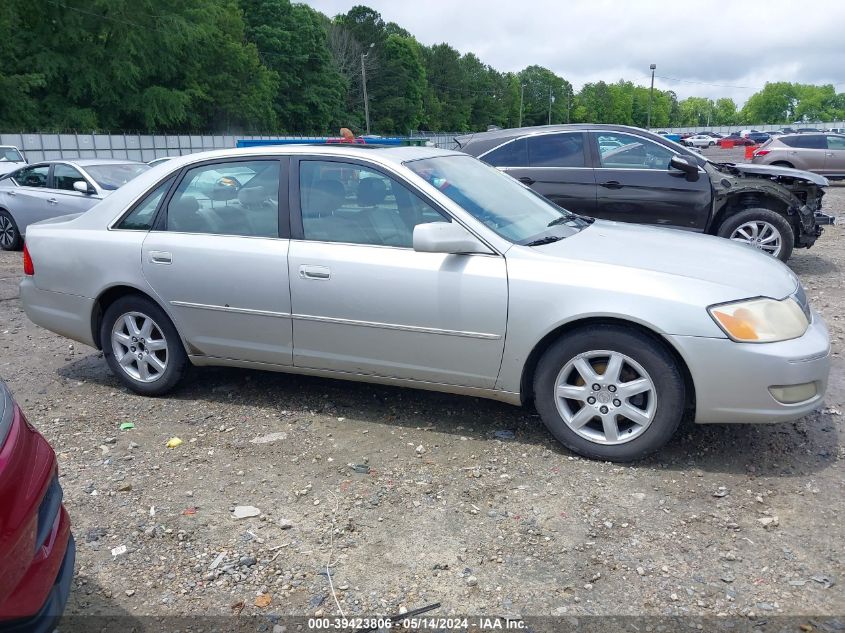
(736, 43)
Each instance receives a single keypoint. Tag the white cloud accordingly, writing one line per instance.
(742, 44)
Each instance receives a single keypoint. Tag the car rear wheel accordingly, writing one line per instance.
(609, 393)
(782, 163)
(10, 237)
(763, 229)
(141, 346)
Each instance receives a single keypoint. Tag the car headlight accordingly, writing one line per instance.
(761, 320)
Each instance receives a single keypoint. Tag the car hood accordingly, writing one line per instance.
(6, 167)
(740, 270)
(773, 170)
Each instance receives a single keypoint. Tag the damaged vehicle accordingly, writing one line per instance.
(627, 174)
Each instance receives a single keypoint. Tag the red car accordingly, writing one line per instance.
(37, 550)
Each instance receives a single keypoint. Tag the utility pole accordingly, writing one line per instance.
(364, 83)
(521, 101)
(650, 95)
(551, 98)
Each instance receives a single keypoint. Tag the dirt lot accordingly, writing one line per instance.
(451, 510)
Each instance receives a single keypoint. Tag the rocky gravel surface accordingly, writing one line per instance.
(401, 498)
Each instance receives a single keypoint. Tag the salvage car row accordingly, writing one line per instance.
(430, 269)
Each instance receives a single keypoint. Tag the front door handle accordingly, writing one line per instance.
(314, 272)
(52, 201)
(612, 184)
(525, 180)
(12, 193)
(161, 257)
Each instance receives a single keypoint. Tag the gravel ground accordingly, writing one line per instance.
(415, 497)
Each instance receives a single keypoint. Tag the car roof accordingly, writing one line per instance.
(484, 141)
(380, 153)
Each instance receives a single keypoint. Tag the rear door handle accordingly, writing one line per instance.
(52, 201)
(161, 257)
(612, 184)
(12, 193)
(314, 272)
(525, 180)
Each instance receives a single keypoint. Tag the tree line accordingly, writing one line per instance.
(273, 66)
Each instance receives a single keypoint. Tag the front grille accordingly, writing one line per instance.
(48, 511)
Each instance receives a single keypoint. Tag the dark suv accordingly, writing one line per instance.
(631, 175)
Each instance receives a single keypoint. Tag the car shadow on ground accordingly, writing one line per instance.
(91, 608)
(809, 265)
(782, 450)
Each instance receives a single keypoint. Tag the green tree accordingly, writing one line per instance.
(775, 103)
(397, 98)
(725, 112)
(545, 96)
(293, 42)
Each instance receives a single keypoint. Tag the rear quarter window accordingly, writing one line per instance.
(511, 154)
(805, 141)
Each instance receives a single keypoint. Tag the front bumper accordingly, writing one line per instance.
(732, 380)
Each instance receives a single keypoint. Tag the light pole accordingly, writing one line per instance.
(551, 100)
(521, 101)
(650, 95)
(364, 83)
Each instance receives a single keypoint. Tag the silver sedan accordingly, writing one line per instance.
(426, 268)
(55, 188)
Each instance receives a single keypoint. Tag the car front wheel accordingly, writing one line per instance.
(609, 392)
(141, 346)
(763, 229)
(10, 237)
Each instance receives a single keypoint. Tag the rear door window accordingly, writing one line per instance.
(35, 176)
(227, 198)
(556, 150)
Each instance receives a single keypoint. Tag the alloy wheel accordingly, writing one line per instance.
(8, 233)
(605, 397)
(139, 346)
(759, 234)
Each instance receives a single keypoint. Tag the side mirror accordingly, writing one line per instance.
(446, 237)
(83, 187)
(682, 164)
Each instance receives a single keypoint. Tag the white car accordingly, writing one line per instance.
(10, 159)
(699, 140)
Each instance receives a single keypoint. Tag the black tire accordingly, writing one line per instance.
(711, 143)
(760, 214)
(10, 236)
(176, 359)
(782, 163)
(653, 357)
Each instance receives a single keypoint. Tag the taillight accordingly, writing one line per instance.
(28, 267)
(761, 152)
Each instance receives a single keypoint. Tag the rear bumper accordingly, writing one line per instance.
(59, 312)
(36, 547)
(733, 381)
(46, 619)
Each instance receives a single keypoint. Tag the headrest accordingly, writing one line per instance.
(371, 192)
(252, 196)
(325, 197)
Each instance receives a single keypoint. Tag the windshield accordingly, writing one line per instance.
(10, 155)
(113, 176)
(500, 202)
